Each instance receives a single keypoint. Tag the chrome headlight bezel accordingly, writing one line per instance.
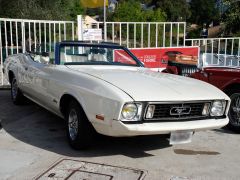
(218, 108)
(135, 108)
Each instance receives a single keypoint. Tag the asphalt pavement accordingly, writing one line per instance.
(33, 145)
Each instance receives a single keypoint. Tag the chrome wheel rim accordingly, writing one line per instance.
(14, 88)
(234, 112)
(73, 124)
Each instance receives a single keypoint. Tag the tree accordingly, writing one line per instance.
(231, 17)
(131, 11)
(203, 11)
(40, 9)
(176, 10)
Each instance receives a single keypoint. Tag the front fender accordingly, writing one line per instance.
(97, 97)
(229, 83)
(94, 104)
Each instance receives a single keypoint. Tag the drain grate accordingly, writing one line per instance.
(89, 175)
(68, 169)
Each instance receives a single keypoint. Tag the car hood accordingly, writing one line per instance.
(143, 84)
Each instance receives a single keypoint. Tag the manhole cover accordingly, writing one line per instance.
(82, 170)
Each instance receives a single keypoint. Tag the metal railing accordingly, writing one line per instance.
(144, 34)
(19, 35)
(222, 47)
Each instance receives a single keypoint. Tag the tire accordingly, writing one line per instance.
(16, 94)
(234, 111)
(80, 132)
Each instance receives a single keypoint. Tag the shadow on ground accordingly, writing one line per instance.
(34, 125)
(224, 130)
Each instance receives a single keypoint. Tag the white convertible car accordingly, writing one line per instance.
(104, 88)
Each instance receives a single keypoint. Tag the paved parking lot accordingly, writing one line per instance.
(32, 140)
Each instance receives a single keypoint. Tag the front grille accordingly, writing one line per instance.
(186, 71)
(170, 111)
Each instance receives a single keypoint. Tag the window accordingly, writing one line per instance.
(96, 55)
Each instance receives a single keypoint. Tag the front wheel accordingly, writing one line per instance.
(234, 111)
(16, 94)
(79, 130)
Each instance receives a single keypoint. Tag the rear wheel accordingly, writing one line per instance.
(234, 111)
(16, 94)
(80, 132)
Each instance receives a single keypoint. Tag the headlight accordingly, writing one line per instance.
(218, 108)
(131, 112)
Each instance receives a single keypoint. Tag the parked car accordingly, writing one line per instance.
(180, 68)
(93, 91)
(179, 57)
(222, 71)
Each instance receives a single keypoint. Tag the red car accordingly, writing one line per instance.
(226, 78)
(179, 57)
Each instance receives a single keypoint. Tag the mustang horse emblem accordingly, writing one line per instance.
(180, 110)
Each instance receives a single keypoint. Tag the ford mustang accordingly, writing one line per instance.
(104, 88)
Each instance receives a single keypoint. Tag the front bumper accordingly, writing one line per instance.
(119, 129)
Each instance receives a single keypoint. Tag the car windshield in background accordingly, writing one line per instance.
(96, 55)
(219, 60)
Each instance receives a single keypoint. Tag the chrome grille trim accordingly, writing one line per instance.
(162, 110)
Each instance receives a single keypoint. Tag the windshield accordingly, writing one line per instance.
(219, 60)
(96, 55)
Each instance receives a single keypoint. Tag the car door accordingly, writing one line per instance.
(37, 76)
(33, 83)
(46, 87)
(44, 83)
